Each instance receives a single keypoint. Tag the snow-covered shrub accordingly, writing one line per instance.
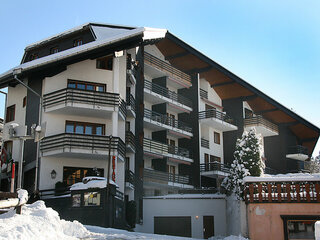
(313, 165)
(247, 161)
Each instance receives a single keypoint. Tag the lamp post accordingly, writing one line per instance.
(15, 73)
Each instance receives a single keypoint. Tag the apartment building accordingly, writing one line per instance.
(168, 115)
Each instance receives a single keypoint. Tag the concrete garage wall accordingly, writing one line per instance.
(182, 206)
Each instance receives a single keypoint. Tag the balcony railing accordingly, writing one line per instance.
(164, 149)
(298, 149)
(131, 102)
(130, 140)
(70, 95)
(214, 166)
(82, 141)
(213, 113)
(164, 177)
(203, 94)
(122, 107)
(130, 177)
(204, 143)
(287, 192)
(259, 120)
(166, 67)
(164, 119)
(167, 93)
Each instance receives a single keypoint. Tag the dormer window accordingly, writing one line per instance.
(77, 42)
(33, 56)
(54, 50)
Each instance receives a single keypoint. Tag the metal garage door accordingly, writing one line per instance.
(176, 226)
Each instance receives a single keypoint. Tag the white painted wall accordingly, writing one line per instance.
(155, 207)
(214, 148)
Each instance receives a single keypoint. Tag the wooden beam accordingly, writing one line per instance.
(288, 124)
(248, 98)
(309, 139)
(267, 110)
(199, 70)
(222, 84)
(177, 55)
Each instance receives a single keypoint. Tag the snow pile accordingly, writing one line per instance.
(39, 222)
(92, 182)
(317, 230)
(289, 177)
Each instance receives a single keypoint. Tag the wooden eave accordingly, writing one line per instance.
(228, 86)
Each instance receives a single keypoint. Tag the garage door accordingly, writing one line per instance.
(176, 226)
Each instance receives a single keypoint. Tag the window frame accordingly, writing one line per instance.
(82, 174)
(77, 41)
(54, 50)
(216, 137)
(10, 113)
(85, 124)
(105, 59)
(95, 84)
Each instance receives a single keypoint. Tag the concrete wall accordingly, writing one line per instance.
(264, 220)
(155, 207)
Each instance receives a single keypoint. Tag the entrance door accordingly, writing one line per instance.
(208, 227)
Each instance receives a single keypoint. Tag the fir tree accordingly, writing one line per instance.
(247, 161)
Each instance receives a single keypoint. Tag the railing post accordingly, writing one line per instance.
(307, 185)
(288, 188)
(251, 190)
(317, 191)
(260, 192)
(269, 193)
(279, 192)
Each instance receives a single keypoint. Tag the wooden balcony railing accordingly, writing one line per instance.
(164, 149)
(164, 119)
(214, 166)
(259, 120)
(166, 67)
(165, 177)
(167, 93)
(213, 113)
(282, 192)
(83, 141)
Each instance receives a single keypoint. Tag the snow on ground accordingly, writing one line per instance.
(42, 223)
(284, 177)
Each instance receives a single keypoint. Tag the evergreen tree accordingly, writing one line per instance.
(247, 161)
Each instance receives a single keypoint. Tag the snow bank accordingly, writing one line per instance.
(317, 230)
(39, 222)
(284, 177)
(92, 182)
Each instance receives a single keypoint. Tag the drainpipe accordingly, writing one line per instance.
(36, 178)
(4, 121)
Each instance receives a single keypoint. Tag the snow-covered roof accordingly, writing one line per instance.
(92, 182)
(104, 38)
(290, 177)
(189, 196)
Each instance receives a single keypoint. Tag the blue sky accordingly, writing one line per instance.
(274, 45)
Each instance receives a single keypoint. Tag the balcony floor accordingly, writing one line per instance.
(298, 156)
(260, 129)
(214, 174)
(218, 124)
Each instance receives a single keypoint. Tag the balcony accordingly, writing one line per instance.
(131, 106)
(298, 153)
(164, 178)
(157, 149)
(205, 143)
(82, 146)
(214, 169)
(130, 142)
(156, 94)
(262, 126)
(203, 94)
(160, 68)
(159, 121)
(130, 179)
(218, 120)
(83, 102)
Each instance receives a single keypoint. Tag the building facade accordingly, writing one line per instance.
(166, 115)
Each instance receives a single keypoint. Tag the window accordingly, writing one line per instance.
(76, 200)
(206, 158)
(33, 56)
(88, 86)
(24, 101)
(7, 151)
(91, 199)
(10, 113)
(85, 128)
(215, 159)
(248, 113)
(72, 175)
(216, 137)
(105, 63)
(54, 50)
(77, 42)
